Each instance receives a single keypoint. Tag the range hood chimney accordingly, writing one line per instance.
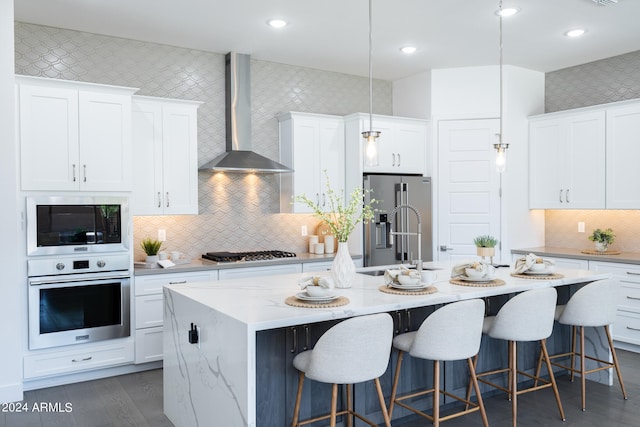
(239, 157)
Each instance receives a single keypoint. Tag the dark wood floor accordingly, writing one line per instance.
(136, 400)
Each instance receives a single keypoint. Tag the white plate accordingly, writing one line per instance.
(409, 287)
(538, 273)
(469, 279)
(326, 298)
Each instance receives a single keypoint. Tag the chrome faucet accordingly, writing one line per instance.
(407, 233)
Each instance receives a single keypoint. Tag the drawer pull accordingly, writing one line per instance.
(633, 329)
(82, 360)
(181, 282)
(631, 273)
(636, 298)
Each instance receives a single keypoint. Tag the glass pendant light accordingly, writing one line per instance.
(501, 146)
(371, 151)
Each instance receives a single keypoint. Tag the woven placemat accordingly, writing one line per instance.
(295, 302)
(538, 276)
(494, 282)
(601, 253)
(423, 291)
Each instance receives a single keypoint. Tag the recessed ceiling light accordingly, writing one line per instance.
(507, 11)
(408, 49)
(277, 23)
(575, 32)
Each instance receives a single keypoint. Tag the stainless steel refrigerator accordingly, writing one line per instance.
(410, 197)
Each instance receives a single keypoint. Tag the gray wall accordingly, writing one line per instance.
(599, 82)
(237, 212)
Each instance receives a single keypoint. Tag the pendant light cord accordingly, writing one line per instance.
(500, 15)
(370, 72)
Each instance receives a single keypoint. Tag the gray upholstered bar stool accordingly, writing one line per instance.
(353, 351)
(527, 316)
(452, 332)
(593, 305)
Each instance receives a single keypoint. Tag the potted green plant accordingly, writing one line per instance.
(151, 247)
(485, 245)
(602, 239)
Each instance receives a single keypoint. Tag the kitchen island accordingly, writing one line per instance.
(236, 374)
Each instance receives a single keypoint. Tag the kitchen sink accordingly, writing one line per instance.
(373, 273)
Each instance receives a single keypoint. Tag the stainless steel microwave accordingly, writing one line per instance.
(58, 225)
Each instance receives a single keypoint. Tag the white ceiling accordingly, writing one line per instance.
(333, 34)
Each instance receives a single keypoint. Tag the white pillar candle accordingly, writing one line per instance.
(329, 244)
(319, 248)
(313, 239)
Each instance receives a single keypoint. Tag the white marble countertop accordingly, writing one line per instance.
(260, 303)
(624, 257)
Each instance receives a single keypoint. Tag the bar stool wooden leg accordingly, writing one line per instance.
(573, 352)
(296, 410)
(476, 386)
(334, 404)
(350, 405)
(474, 362)
(543, 344)
(513, 382)
(615, 361)
(436, 393)
(383, 405)
(583, 375)
(394, 389)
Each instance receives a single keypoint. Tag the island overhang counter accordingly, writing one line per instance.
(215, 379)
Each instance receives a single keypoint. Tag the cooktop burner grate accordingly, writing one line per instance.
(246, 256)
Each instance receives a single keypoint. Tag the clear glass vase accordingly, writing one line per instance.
(343, 270)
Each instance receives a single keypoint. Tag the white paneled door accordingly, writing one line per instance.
(468, 186)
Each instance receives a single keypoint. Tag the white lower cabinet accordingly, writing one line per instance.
(626, 330)
(308, 267)
(148, 309)
(269, 270)
(78, 359)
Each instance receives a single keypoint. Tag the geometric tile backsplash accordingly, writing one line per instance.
(236, 211)
(599, 82)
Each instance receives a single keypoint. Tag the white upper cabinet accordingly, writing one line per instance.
(567, 161)
(74, 136)
(402, 143)
(310, 144)
(165, 147)
(623, 152)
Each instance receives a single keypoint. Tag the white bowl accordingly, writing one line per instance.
(472, 273)
(317, 291)
(407, 280)
(538, 266)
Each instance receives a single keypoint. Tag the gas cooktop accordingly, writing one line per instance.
(246, 256)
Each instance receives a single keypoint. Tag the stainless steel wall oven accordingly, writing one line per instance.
(76, 300)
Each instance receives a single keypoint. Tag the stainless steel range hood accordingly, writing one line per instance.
(239, 157)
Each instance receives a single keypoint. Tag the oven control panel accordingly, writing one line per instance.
(53, 266)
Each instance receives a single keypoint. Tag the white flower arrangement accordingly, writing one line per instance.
(340, 217)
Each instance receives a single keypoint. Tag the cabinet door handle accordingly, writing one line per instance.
(294, 344)
(86, 359)
(324, 199)
(167, 199)
(632, 273)
(398, 159)
(566, 196)
(399, 317)
(159, 200)
(84, 171)
(408, 325)
(393, 159)
(307, 338)
(181, 282)
(74, 172)
(317, 199)
(634, 298)
(633, 329)
(561, 190)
